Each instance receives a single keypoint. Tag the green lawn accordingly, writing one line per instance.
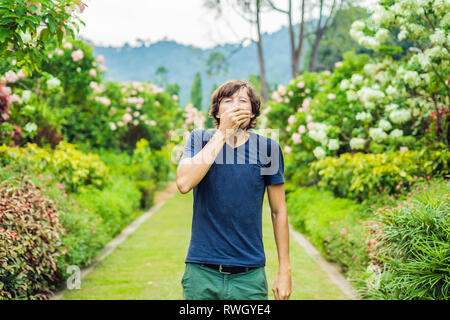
(150, 263)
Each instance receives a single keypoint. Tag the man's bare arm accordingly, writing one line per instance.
(277, 202)
(191, 171)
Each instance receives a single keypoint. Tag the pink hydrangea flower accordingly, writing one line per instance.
(11, 76)
(296, 138)
(77, 55)
(291, 119)
(311, 125)
(67, 45)
(302, 129)
(127, 117)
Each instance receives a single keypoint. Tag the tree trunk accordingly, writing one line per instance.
(315, 51)
(297, 52)
(262, 73)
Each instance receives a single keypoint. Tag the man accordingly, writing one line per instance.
(229, 169)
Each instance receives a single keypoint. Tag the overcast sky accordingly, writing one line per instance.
(114, 22)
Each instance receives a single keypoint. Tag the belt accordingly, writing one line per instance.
(227, 269)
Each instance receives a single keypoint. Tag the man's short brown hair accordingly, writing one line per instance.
(226, 90)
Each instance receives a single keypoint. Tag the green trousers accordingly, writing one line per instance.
(203, 283)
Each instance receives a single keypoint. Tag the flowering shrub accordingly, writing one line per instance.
(361, 176)
(30, 241)
(60, 100)
(194, 118)
(374, 105)
(409, 248)
(423, 77)
(139, 110)
(70, 167)
(27, 26)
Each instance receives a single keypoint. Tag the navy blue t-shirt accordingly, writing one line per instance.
(227, 218)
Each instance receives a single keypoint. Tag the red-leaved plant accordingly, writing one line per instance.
(29, 241)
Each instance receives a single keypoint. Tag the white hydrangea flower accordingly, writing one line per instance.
(357, 79)
(440, 6)
(382, 77)
(410, 77)
(318, 135)
(333, 144)
(30, 127)
(351, 95)
(396, 133)
(415, 29)
(363, 116)
(319, 152)
(377, 134)
(380, 15)
(424, 60)
(382, 35)
(369, 42)
(370, 95)
(391, 91)
(438, 37)
(402, 34)
(370, 68)
(358, 25)
(53, 82)
(356, 34)
(369, 105)
(436, 52)
(345, 84)
(391, 107)
(397, 9)
(400, 116)
(385, 125)
(357, 143)
(26, 95)
(445, 21)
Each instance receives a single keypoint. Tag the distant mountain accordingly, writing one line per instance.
(128, 63)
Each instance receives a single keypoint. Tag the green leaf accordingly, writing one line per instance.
(44, 35)
(51, 24)
(60, 35)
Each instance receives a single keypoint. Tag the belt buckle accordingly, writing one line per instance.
(220, 270)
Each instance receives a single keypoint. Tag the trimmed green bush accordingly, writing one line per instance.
(333, 225)
(67, 165)
(361, 176)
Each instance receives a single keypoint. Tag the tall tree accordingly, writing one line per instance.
(325, 21)
(337, 40)
(217, 63)
(161, 76)
(296, 49)
(196, 91)
(250, 11)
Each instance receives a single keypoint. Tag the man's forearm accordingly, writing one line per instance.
(281, 232)
(192, 170)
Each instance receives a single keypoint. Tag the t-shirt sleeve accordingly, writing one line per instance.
(277, 160)
(193, 144)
